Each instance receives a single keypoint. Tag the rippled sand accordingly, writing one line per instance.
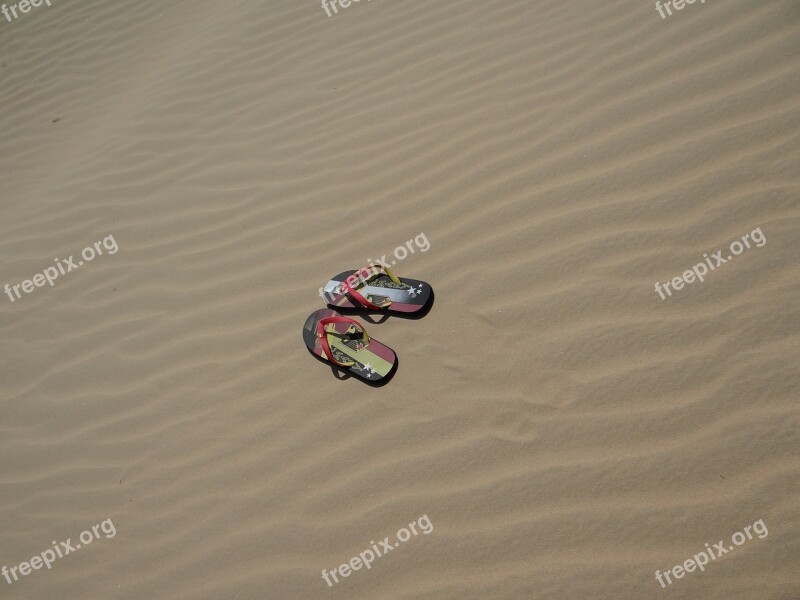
(566, 431)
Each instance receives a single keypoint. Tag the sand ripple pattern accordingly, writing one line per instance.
(566, 431)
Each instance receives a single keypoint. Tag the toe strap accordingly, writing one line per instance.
(365, 274)
(322, 335)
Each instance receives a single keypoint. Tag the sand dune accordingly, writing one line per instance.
(567, 431)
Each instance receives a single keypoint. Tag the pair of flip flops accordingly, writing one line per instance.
(343, 341)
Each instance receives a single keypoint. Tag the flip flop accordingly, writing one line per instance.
(345, 343)
(376, 287)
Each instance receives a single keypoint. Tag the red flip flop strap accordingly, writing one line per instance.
(326, 349)
(339, 319)
(323, 335)
(359, 298)
(357, 295)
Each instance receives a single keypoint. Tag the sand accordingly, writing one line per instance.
(566, 431)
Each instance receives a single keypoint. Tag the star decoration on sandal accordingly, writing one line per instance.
(368, 368)
(412, 291)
